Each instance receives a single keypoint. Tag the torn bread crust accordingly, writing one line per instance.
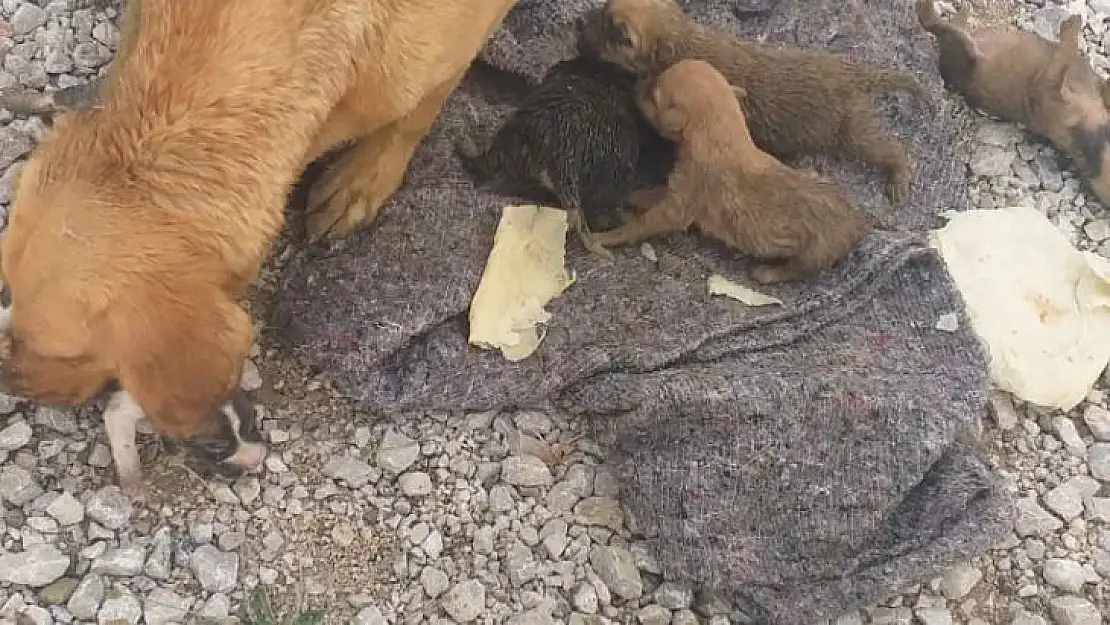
(720, 285)
(525, 270)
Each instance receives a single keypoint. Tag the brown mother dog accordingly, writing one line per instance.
(138, 225)
(799, 102)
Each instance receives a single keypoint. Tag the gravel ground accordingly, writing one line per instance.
(477, 517)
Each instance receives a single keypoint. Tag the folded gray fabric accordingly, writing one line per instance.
(806, 459)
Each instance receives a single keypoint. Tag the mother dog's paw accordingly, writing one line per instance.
(350, 193)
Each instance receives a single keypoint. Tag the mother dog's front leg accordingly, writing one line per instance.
(351, 192)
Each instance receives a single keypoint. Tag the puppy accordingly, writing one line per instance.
(799, 102)
(235, 445)
(137, 226)
(578, 136)
(796, 222)
(1019, 76)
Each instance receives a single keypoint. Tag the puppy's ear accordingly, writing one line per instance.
(182, 358)
(672, 120)
(1054, 81)
(617, 33)
(962, 16)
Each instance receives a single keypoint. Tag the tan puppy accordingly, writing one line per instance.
(138, 225)
(730, 189)
(799, 102)
(1019, 76)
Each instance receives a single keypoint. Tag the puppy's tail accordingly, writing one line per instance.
(881, 80)
(32, 102)
(958, 54)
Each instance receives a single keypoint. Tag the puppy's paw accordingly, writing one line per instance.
(591, 243)
(133, 486)
(468, 148)
(601, 252)
(898, 187)
(770, 274)
(608, 239)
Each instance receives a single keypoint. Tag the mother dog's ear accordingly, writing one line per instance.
(182, 358)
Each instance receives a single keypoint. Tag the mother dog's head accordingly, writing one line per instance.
(112, 276)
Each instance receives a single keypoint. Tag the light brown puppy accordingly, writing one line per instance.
(731, 190)
(799, 102)
(138, 225)
(1019, 76)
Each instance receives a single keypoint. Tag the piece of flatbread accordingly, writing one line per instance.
(720, 285)
(1041, 307)
(525, 270)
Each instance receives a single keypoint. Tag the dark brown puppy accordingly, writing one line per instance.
(578, 136)
(733, 191)
(1019, 76)
(799, 102)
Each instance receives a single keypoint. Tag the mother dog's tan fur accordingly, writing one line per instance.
(138, 225)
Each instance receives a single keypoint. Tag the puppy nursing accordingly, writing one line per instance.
(577, 136)
(794, 221)
(1021, 77)
(799, 102)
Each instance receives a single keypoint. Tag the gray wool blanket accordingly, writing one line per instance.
(805, 459)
